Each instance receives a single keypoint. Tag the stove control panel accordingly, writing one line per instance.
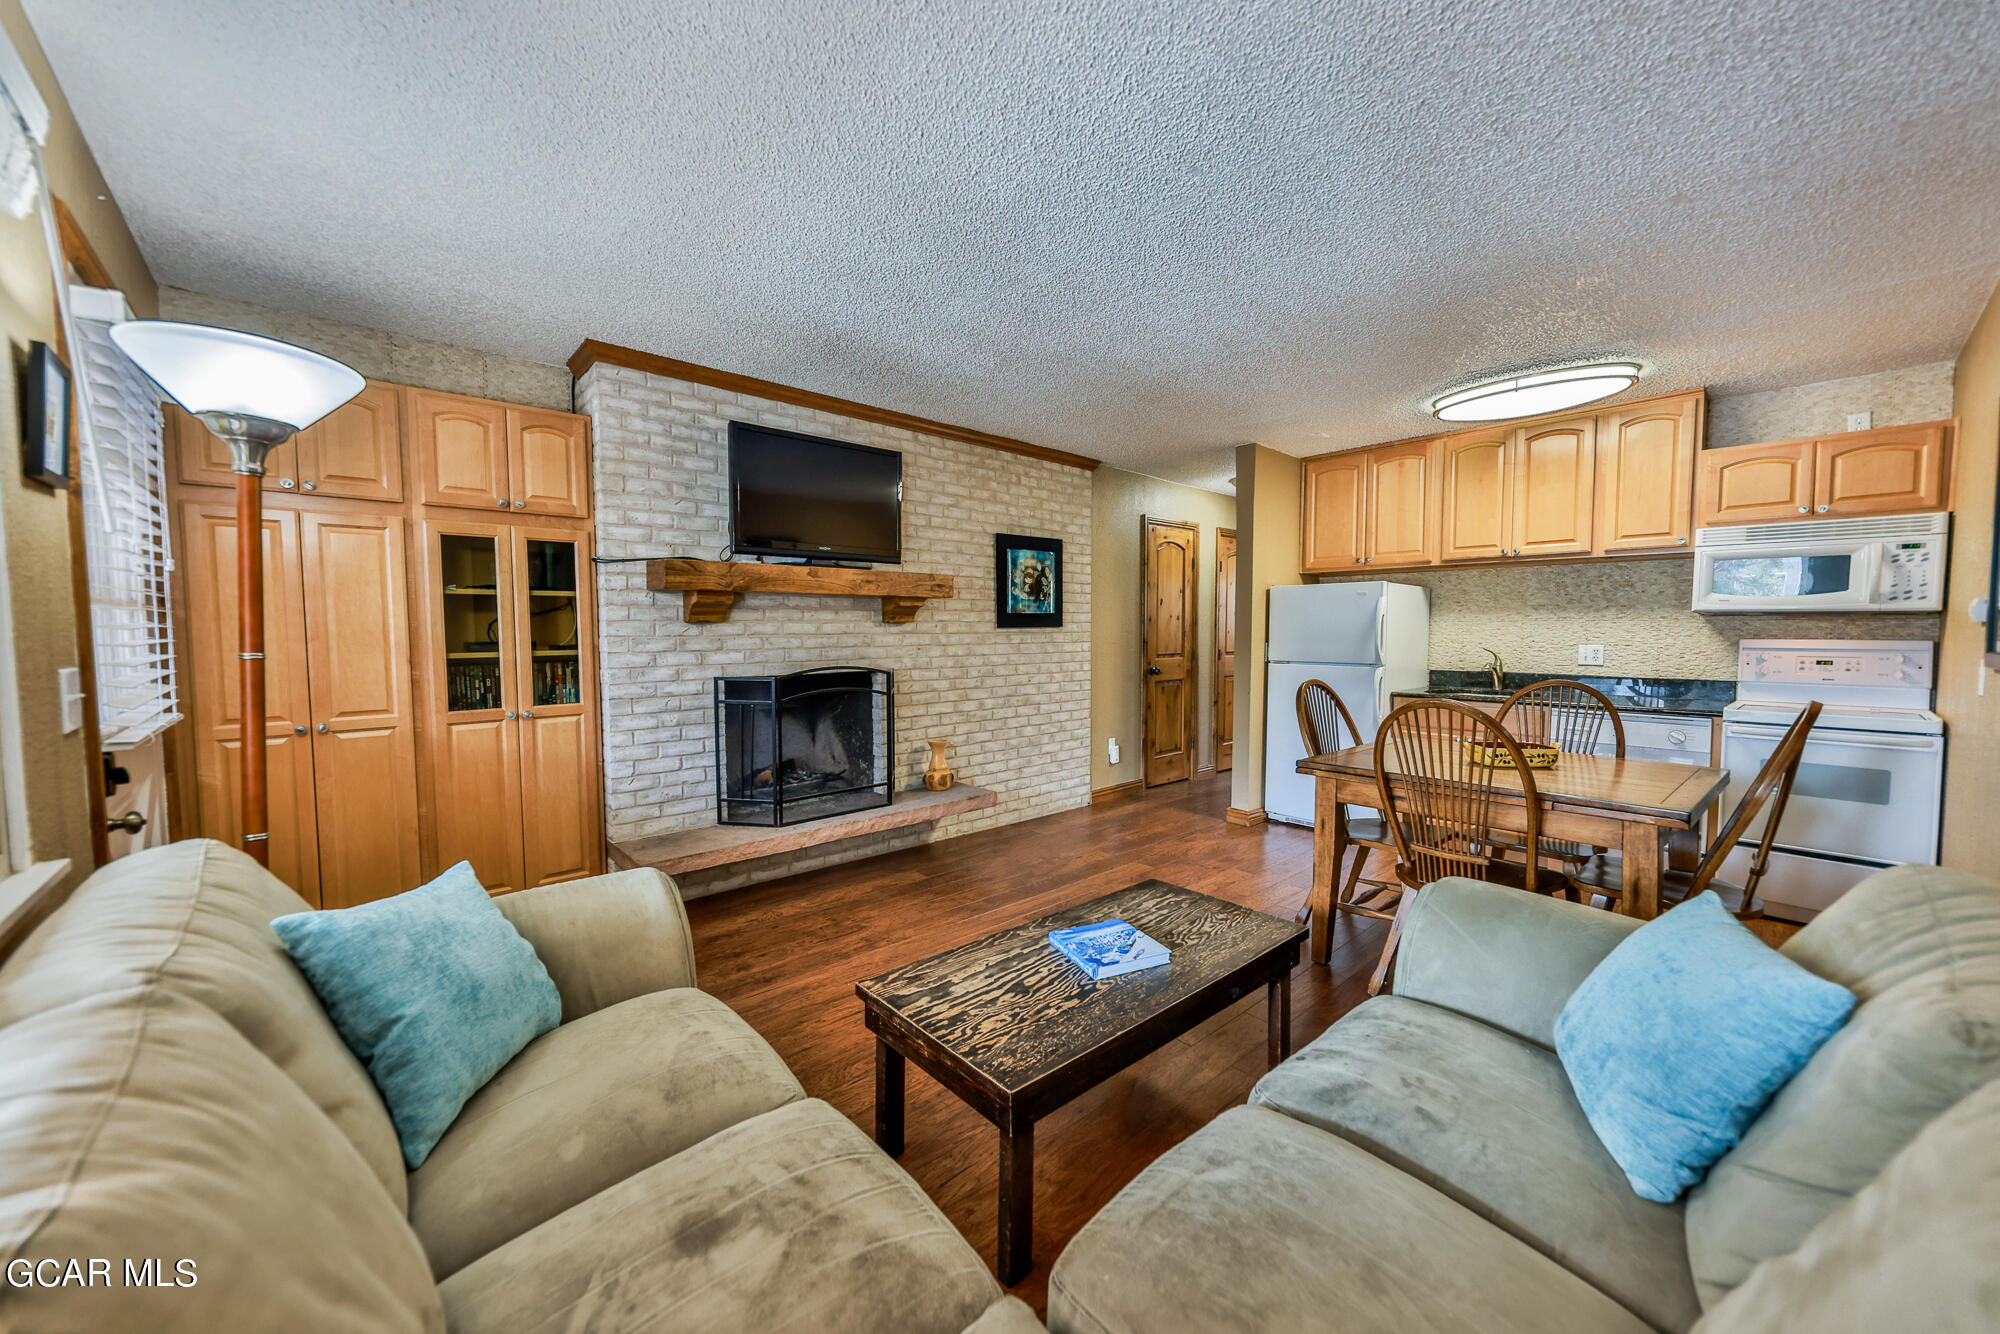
(1836, 662)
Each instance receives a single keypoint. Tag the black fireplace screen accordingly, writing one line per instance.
(804, 746)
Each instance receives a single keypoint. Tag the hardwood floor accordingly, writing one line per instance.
(786, 956)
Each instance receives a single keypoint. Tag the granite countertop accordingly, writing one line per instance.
(1638, 694)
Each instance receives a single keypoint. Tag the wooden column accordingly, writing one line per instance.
(256, 831)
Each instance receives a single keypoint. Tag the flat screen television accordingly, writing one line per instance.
(801, 495)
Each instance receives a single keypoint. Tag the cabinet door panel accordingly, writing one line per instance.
(357, 451)
(201, 459)
(293, 849)
(550, 462)
(477, 811)
(555, 661)
(1402, 522)
(1336, 493)
(1555, 468)
(460, 446)
(1645, 476)
(559, 836)
(364, 761)
(1756, 483)
(1476, 486)
(1895, 471)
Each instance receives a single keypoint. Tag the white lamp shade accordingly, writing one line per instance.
(206, 369)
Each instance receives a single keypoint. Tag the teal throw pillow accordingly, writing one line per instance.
(433, 991)
(1676, 1041)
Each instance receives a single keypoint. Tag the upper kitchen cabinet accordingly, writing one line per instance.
(355, 452)
(1895, 470)
(1554, 467)
(1401, 520)
(1335, 493)
(1645, 475)
(472, 453)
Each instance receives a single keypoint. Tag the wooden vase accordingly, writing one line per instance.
(937, 776)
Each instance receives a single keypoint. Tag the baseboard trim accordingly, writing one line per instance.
(1116, 790)
(1244, 819)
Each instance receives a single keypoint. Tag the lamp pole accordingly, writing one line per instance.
(250, 441)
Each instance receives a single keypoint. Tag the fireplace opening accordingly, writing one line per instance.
(804, 746)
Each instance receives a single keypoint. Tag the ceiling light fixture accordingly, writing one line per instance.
(1544, 391)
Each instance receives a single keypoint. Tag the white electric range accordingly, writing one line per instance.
(1870, 787)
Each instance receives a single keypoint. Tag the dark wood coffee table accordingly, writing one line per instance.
(1016, 1030)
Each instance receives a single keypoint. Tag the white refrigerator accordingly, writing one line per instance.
(1366, 640)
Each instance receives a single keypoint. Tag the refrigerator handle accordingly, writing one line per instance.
(1381, 703)
(1381, 628)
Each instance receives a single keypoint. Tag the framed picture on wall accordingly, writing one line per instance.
(45, 418)
(1027, 581)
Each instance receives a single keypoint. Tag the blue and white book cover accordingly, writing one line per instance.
(1108, 949)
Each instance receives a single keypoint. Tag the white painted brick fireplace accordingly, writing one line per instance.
(1014, 704)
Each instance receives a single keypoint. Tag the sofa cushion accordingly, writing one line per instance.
(195, 917)
(1920, 947)
(584, 1107)
(792, 1220)
(1913, 1250)
(1489, 1120)
(139, 1126)
(1259, 1222)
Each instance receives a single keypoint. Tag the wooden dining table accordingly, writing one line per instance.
(1649, 810)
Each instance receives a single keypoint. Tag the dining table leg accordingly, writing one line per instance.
(1639, 850)
(1329, 849)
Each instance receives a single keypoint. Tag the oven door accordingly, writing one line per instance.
(1805, 577)
(1869, 795)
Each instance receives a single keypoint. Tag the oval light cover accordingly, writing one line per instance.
(1531, 395)
(206, 369)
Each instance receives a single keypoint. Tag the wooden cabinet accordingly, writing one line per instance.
(1645, 475)
(1554, 475)
(471, 453)
(511, 770)
(1474, 473)
(1402, 524)
(1335, 492)
(1895, 470)
(355, 452)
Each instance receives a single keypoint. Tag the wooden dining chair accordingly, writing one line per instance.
(1574, 718)
(1325, 726)
(1604, 873)
(1439, 801)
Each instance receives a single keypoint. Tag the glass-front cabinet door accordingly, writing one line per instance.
(558, 739)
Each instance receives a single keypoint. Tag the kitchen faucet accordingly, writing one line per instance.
(1497, 668)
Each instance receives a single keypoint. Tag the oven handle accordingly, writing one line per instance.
(1751, 733)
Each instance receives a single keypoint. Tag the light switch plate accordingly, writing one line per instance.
(1590, 655)
(69, 685)
(1860, 421)
(1111, 749)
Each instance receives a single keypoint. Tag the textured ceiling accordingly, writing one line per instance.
(1144, 232)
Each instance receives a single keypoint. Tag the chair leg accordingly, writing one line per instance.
(1384, 969)
(1354, 876)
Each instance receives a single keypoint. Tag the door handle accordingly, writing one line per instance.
(1152, 671)
(131, 822)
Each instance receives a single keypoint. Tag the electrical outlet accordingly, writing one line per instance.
(1590, 655)
(1860, 421)
(1111, 748)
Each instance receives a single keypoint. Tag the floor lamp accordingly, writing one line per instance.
(254, 393)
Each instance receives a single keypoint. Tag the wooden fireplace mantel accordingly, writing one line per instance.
(709, 588)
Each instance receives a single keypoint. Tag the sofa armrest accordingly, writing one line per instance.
(1008, 1315)
(1503, 956)
(606, 939)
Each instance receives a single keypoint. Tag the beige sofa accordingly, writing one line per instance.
(1424, 1165)
(174, 1093)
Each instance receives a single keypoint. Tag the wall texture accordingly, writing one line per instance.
(381, 355)
(1014, 704)
(1897, 398)
(1267, 553)
(1968, 694)
(1120, 502)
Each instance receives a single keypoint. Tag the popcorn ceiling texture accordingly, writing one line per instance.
(381, 355)
(1146, 232)
(1014, 704)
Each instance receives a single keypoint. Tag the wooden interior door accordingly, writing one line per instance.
(1225, 649)
(1555, 471)
(460, 446)
(208, 557)
(363, 719)
(561, 782)
(1476, 492)
(1335, 490)
(1645, 476)
(356, 451)
(550, 462)
(1402, 525)
(1897, 470)
(1171, 550)
(1755, 483)
(470, 778)
(201, 459)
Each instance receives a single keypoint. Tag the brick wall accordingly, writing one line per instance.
(1014, 704)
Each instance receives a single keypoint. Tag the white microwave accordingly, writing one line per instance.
(1874, 564)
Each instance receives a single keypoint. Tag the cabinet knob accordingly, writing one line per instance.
(520, 504)
(527, 713)
(286, 483)
(312, 486)
(299, 728)
(503, 504)
(1680, 541)
(510, 715)
(1822, 509)
(320, 728)
(1803, 509)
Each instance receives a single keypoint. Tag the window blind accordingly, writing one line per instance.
(122, 471)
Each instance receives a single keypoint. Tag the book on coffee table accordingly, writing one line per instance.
(1108, 949)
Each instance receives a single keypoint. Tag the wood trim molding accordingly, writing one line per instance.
(77, 249)
(591, 352)
(1244, 819)
(1103, 794)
